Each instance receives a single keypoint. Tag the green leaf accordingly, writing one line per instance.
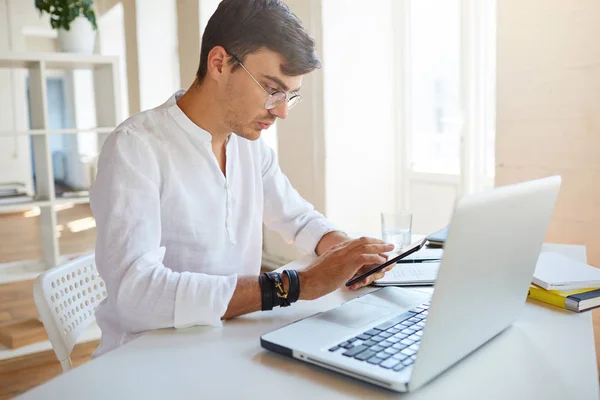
(63, 12)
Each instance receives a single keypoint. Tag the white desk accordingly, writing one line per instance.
(547, 354)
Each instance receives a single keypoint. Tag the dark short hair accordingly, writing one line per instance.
(245, 26)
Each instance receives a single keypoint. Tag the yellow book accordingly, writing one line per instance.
(574, 300)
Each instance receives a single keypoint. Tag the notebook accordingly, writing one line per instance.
(423, 255)
(554, 271)
(574, 300)
(417, 274)
(437, 239)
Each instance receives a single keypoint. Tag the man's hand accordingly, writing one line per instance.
(339, 264)
(335, 238)
(369, 279)
(329, 240)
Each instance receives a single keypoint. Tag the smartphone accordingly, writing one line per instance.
(396, 257)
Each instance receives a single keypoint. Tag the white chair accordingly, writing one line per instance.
(66, 297)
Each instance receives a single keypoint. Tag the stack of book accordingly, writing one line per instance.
(13, 192)
(437, 239)
(566, 283)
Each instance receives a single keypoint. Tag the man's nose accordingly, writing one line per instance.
(281, 111)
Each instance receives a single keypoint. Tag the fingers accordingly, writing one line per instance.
(367, 281)
(371, 249)
(368, 259)
(367, 255)
(380, 274)
(370, 279)
(365, 241)
(369, 267)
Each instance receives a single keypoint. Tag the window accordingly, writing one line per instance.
(58, 118)
(434, 97)
(408, 100)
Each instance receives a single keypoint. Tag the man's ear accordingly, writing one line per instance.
(216, 62)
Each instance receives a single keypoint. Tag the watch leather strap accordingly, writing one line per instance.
(266, 291)
(294, 285)
(279, 295)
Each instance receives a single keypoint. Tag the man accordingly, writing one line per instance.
(183, 190)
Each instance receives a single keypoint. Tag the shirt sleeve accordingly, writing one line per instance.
(286, 212)
(125, 201)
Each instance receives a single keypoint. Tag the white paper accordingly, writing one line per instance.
(554, 271)
(424, 272)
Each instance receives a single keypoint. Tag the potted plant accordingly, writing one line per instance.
(75, 22)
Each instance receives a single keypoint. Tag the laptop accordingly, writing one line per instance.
(400, 338)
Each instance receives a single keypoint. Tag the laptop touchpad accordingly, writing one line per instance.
(356, 314)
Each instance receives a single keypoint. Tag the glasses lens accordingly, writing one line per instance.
(294, 101)
(274, 100)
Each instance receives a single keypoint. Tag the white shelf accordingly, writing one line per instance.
(55, 60)
(107, 98)
(56, 131)
(90, 334)
(22, 205)
(74, 200)
(28, 205)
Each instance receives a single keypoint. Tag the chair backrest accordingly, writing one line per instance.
(66, 297)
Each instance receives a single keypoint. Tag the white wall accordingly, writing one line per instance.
(359, 112)
(108, 11)
(188, 35)
(111, 24)
(157, 51)
(301, 145)
(548, 117)
(151, 47)
(207, 9)
(192, 17)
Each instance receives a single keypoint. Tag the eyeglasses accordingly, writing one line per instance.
(276, 98)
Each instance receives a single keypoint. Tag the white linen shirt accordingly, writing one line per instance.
(173, 233)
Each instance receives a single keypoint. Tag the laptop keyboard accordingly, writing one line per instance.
(391, 345)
